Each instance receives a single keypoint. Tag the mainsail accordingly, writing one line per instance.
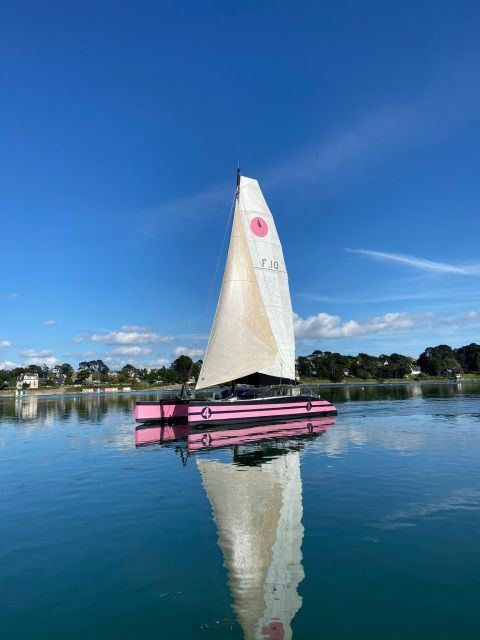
(258, 513)
(253, 327)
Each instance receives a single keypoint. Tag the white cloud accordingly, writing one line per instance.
(33, 353)
(39, 357)
(49, 361)
(130, 337)
(159, 362)
(470, 317)
(187, 351)
(115, 363)
(133, 327)
(419, 263)
(49, 323)
(79, 356)
(131, 351)
(8, 364)
(324, 325)
(5, 343)
(127, 335)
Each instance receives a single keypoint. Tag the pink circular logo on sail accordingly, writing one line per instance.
(259, 227)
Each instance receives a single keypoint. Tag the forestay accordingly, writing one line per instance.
(253, 327)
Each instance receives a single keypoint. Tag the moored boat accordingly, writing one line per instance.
(252, 340)
(198, 413)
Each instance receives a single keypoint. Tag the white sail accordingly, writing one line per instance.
(258, 513)
(253, 327)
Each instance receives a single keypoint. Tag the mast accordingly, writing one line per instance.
(239, 174)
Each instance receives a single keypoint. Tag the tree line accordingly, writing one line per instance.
(441, 360)
(181, 370)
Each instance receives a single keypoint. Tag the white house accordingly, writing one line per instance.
(27, 380)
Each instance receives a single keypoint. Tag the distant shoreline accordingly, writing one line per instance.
(10, 393)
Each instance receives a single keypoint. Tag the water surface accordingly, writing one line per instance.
(367, 528)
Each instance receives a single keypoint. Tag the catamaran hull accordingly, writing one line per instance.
(201, 413)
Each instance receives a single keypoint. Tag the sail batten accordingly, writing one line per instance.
(253, 327)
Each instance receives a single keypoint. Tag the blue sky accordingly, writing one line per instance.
(121, 125)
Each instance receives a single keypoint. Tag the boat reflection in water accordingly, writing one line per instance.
(257, 507)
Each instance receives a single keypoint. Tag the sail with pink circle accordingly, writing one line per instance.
(253, 328)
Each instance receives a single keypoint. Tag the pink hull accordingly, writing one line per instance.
(198, 414)
(160, 412)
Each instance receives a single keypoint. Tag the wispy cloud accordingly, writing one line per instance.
(467, 499)
(5, 343)
(382, 130)
(418, 263)
(210, 199)
(14, 295)
(79, 356)
(324, 325)
(50, 323)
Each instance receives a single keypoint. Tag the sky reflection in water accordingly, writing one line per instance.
(363, 528)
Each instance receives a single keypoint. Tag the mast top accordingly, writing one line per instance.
(239, 173)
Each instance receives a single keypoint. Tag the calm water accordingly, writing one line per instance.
(368, 528)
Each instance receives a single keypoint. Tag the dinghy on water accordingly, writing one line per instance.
(251, 341)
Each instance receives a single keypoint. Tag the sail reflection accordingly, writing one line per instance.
(257, 507)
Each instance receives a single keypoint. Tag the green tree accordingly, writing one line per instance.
(83, 374)
(67, 369)
(469, 357)
(436, 360)
(304, 367)
(34, 368)
(97, 366)
(183, 367)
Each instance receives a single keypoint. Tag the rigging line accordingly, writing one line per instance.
(212, 283)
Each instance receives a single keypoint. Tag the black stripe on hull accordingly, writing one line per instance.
(179, 421)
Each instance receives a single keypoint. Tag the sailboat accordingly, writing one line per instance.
(252, 340)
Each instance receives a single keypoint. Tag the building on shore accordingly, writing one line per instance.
(27, 381)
